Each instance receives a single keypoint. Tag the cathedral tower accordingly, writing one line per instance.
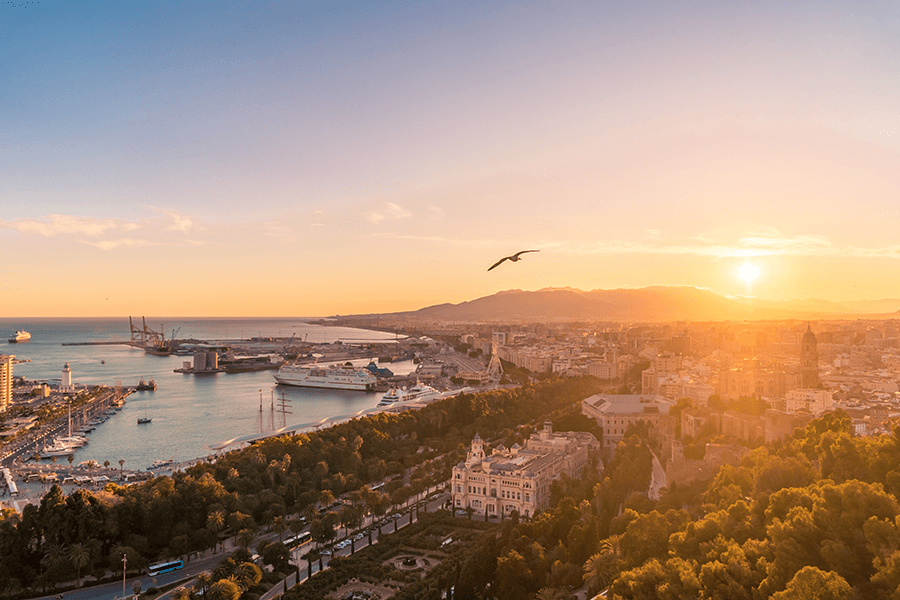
(809, 360)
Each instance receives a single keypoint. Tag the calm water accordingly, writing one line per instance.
(189, 412)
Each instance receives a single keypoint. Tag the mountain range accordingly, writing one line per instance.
(650, 304)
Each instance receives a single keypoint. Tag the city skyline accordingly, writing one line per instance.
(339, 158)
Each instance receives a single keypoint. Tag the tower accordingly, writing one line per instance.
(6, 377)
(476, 451)
(809, 360)
(66, 384)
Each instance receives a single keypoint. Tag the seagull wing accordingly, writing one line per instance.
(516, 255)
(498, 262)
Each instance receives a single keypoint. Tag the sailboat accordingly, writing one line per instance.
(145, 418)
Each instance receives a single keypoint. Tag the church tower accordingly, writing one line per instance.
(476, 451)
(809, 360)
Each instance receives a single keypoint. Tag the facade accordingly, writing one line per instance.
(603, 370)
(759, 382)
(6, 377)
(518, 479)
(614, 413)
(814, 401)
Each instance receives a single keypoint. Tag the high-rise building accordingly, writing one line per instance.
(6, 377)
(809, 360)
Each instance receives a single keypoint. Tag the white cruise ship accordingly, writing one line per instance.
(20, 336)
(420, 391)
(334, 377)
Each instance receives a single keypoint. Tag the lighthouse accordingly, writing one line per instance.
(66, 384)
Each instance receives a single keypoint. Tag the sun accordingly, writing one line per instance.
(748, 272)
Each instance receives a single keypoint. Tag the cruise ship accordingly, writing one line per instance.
(20, 336)
(420, 391)
(335, 377)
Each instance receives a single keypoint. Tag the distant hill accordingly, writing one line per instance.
(651, 304)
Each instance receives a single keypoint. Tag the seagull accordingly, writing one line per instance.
(514, 258)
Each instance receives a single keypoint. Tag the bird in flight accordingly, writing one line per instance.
(514, 258)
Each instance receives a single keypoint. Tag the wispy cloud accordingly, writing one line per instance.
(388, 211)
(110, 233)
(53, 225)
(126, 242)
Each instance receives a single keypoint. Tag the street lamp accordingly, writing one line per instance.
(124, 562)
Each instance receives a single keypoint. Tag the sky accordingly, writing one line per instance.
(322, 158)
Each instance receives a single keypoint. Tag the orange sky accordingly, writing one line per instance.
(295, 160)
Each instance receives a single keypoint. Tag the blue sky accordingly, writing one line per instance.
(285, 145)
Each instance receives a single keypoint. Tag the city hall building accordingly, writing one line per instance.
(518, 479)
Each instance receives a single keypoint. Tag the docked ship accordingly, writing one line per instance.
(346, 377)
(420, 391)
(20, 336)
(144, 386)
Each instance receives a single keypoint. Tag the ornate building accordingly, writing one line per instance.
(518, 479)
(809, 360)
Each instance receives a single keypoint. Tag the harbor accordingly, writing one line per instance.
(163, 419)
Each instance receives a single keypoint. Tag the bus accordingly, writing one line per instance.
(164, 567)
(298, 540)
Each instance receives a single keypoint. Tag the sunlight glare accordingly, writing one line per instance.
(748, 272)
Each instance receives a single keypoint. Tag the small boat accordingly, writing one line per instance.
(145, 419)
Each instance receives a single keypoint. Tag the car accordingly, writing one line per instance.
(358, 536)
(325, 552)
(343, 544)
(461, 512)
(396, 516)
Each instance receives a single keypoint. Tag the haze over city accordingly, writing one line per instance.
(184, 158)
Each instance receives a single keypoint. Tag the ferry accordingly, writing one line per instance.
(346, 377)
(20, 336)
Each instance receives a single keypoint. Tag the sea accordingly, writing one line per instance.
(189, 412)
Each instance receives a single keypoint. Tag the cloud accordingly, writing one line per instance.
(113, 244)
(388, 211)
(178, 221)
(53, 225)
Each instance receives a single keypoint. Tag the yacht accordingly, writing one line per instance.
(20, 336)
(420, 391)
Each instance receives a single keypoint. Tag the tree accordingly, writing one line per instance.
(224, 589)
(248, 575)
(78, 555)
(811, 583)
(121, 467)
(245, 538)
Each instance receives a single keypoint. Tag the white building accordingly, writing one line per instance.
(518, 479)
(6, 378)
(66, 384)
(814, 401)
(614, 413)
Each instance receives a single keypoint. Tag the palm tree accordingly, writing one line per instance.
(204, 581)
(600, 567)
(121, 466)
(215, 521)
(247, 575)
(181, 594)
(79, 555)
(224, 589)
(106, 464)
(244, 538)
(279, 526)
(548, 593)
